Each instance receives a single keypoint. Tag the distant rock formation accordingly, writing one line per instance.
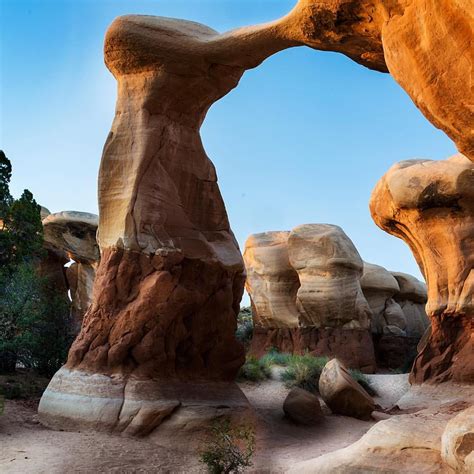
(271, 280)
(71, 235)
(399, 319)
(430, 205)
(329, 268)
(306, 296)
(74, 234)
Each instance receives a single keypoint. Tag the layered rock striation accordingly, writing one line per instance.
(271, 280)
(430, 205)
(306, 295)
(171, 276)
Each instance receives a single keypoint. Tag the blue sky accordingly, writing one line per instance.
(304, 138)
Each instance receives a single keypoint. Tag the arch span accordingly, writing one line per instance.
(159, 335)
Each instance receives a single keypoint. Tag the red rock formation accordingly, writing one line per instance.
(430, 205)
(306, 295)
(353, 347)
(171, 275)
(417, 41)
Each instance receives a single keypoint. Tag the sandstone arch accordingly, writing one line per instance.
(159, 335)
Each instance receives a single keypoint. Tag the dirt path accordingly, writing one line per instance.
(27, 447)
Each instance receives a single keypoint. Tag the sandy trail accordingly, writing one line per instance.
(28, 447)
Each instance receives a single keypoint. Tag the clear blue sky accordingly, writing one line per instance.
(304, 138)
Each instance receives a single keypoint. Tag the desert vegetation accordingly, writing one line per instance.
(34, 320)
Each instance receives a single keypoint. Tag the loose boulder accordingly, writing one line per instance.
(302, 407)
(342, 394)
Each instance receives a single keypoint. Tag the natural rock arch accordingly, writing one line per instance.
(159, 335)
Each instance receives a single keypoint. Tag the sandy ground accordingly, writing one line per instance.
(28, 447)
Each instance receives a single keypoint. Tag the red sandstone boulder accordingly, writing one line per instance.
(342, 394)
(302, 407)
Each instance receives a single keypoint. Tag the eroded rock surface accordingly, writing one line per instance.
(399, 320)
(80, 277)
(342, 394)
(271, 282)
(72, 233)
(430, 205)
(457, 442)
(411, 441)
(302, 407)
(306, 296)
(412, 298)
(329, 269)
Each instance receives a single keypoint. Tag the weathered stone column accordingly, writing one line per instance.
(430, 205)
(159, 335)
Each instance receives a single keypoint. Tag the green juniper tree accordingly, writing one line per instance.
(33, 318)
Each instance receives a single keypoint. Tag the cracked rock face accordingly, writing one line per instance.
(430, 205)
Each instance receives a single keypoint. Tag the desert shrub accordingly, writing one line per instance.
(244, 331)
(304, 371)
(363, 381)
(230, 449)
(34, 322)
(23, 385)
(255, 370)
(274, 357)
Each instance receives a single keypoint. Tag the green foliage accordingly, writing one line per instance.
(5, 176)
(304, 371)
(363, 381)
(274, 357)
(25, 228)
(23, 385)
(2, 404)
(21, 232)
(244, 331)
(230, 449)
(34, 321)
(255, 370)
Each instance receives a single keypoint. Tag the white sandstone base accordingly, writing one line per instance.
(76, 400)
